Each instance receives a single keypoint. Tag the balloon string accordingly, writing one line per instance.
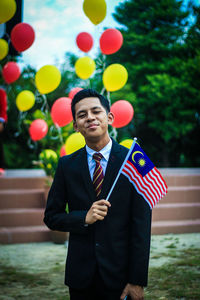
(60, 134)
(108, 97)
(113, 132)
(57, 130)
(21, 117)
(31, 144)
(51, 130)
(103, 90)
(45, 105)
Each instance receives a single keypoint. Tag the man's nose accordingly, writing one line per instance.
(90, 116)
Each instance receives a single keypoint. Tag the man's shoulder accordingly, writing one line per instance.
(72, 157)
(122, 150)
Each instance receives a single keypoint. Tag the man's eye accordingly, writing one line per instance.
(97, 111)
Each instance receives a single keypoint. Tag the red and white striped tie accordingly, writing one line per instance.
(98, 174)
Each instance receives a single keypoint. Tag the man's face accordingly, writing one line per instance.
(91, 119)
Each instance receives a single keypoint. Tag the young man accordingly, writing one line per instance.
(109, 243)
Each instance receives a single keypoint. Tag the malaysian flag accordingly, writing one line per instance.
(142, 173)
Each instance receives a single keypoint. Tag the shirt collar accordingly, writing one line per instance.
(105, 151)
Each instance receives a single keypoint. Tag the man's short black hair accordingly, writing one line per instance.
(86, 93)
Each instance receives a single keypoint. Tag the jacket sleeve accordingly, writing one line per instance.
(140, 240)
(55, 216)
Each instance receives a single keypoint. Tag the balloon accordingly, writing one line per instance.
(7, 10)
(38, 129)
(25, 100)
(84, 67)
(73, 92)
(47, 79)
(123, 113)
(3, 103)
(95, 10)
(74, 142)
(22, 36)
(115, 77)
(111, 41)
(3, 48)
(11, 72)
(61, 111)
(84, 41)
(48, 154)
(127, 143)
(62, 151)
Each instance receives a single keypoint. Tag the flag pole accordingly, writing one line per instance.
(119, 173)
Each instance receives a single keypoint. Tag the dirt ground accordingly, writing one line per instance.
(36, 271)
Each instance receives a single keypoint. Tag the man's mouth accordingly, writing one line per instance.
(92, 126)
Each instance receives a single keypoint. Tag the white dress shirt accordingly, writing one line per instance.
(104, 161)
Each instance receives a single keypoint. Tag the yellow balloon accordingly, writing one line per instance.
(115, 77)
(127, 143)
(84, 67)
(48, 154)
(95, 10)
(47, 79)
(7, 10)
(3, 48)
(74, 142)
(25, 100)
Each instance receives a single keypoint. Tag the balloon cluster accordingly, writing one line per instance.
(22, 37)
(114, 78)
(115, 75)
(48, 77)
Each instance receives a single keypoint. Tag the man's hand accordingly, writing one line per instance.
(97, 211)
(136, 292)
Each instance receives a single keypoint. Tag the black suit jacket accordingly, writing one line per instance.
(119, 244)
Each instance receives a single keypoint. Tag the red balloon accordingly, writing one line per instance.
(73, 92)
(38, 129)
(22, 36)
(3, 105)
(111, 41)
(11, 72)
(63, 151)
(123, 113)
(84, 41)
(61, 111)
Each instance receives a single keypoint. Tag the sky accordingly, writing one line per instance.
(56, 24)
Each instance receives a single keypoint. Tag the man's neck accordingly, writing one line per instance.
(97, 145)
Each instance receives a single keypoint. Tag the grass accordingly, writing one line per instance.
(17, 284)
(178, 280)
(39, 275)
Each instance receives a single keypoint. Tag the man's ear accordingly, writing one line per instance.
(75, 126)
(110, 118)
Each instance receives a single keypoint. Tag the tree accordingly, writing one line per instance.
(157, 37)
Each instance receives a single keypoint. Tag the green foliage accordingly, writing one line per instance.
(161, 53)
(48, 161)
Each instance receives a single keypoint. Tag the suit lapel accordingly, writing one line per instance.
(86, 175)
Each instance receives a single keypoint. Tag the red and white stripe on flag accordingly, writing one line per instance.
(152, 186)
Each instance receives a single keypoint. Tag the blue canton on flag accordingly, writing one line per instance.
(145, 177)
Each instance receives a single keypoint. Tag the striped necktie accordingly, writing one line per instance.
(98, 174)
